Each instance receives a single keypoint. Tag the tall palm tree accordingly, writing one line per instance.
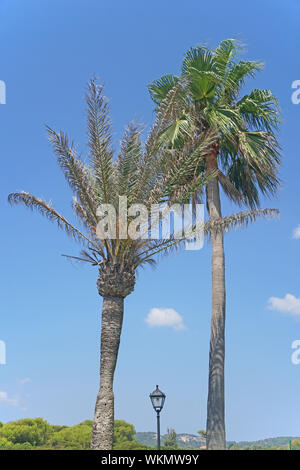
(244, 155)
(144, 174)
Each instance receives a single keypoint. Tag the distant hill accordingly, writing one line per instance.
(269, 442)
(186, 441)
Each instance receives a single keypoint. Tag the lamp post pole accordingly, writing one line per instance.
(158, 430)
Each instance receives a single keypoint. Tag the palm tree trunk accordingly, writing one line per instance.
(215, 427)
(111, 327)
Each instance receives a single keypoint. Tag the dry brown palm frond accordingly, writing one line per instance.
(76, 173)
(47, 210)
(100, 140)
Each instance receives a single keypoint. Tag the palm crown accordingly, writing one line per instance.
(208, 97)
(144, 174)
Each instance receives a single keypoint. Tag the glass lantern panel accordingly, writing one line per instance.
(157, 401)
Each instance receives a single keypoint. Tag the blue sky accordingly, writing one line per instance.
(50, 309)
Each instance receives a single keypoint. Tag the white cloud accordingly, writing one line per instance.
(289, 304)
(296, 232)
(24, 381)
(5, 398)
(165, 317)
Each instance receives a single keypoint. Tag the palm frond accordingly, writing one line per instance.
(100, 140)
(76, 173)
(222, 118)
(46, 210)
(129, 161)
(229, 189)
(224, 55)
(260, 110)
(159, 89)
(240, 220)
(238, 73)
(200, 58)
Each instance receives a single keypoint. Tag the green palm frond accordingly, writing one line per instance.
(202, 83)
(251, 161)
(259, 147)
(177, 132)
(224, 55)
(159, 89)
(229, 189)
(222, 118)
(237, 75)
(260, 109)
(199, 58)
(172, 106)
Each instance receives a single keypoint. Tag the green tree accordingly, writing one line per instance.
(73, 437)
(131, 445)
(234, 446)
(244, 157)
(171, 439)
(144, 174)
(296, 444)
(33, 431)
(124, 437)
(202, 433)
(123, 431)
(5, 443)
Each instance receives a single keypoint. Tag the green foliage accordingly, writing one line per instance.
(123, 432)
(208, 97)
(23, 446)
(171, 441)
(270, 443)
(5, 443)
(74, 437)
(33, 431)
(26, 434)
(131, 445)
(296, 444)
(202, 433)
(38, 434)
(57, 427)
(234, 446)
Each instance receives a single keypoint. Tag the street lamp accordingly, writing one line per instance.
(157, 399)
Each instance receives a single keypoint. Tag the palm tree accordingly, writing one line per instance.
(144, 174)
(244, 156)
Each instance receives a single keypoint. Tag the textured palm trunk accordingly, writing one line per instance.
(215, 427)
(111, 327)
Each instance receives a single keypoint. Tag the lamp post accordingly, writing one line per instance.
(157, 399)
